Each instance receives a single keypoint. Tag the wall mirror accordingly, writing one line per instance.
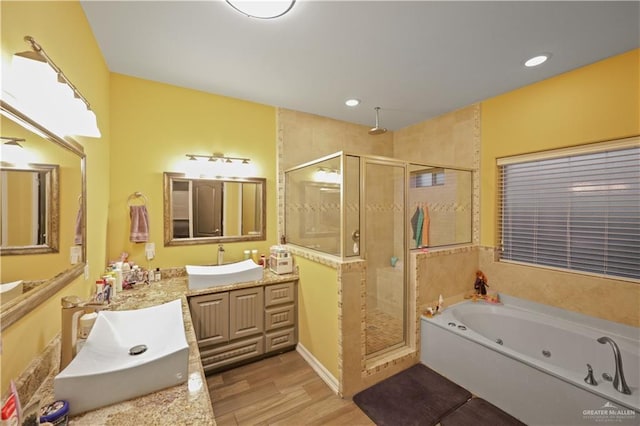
(42, 216)
(29, 209)
(205, 211)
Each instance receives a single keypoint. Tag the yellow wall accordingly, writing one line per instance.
(63, 31)
(594, 103)
(318, 312)
(153, 127)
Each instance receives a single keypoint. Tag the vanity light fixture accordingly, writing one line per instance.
(537, 60)
(219, 165)
(327, 175)
(36, 77)
(12, 152)
(262, 9)
(217, 156)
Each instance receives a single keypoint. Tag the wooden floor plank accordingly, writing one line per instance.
(282, 390)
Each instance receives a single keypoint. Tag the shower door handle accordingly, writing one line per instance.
(355, 236)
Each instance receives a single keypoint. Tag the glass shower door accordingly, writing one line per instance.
(384, 250)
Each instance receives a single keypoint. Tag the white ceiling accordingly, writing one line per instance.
(415, 59)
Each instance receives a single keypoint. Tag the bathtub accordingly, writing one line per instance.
(531, 360)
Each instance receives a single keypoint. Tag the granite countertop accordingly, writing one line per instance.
(187, 403)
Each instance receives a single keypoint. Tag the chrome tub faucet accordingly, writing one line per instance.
(619, 383)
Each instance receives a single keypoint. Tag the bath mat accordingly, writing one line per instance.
(478, 412)
(416, 396)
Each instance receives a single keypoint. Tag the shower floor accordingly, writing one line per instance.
(383, 330)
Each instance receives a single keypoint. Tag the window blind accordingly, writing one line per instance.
(579, 212)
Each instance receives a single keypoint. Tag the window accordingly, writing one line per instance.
(427, 177)
(578, 210)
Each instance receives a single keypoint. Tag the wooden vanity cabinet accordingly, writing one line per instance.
(238, 326)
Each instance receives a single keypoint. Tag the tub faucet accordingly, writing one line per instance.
(618, 381)
(72, 309)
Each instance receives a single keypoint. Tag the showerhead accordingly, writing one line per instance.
(377, 130)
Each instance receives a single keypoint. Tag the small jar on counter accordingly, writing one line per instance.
(56, 413)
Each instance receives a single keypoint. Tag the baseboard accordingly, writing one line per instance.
(324, 374)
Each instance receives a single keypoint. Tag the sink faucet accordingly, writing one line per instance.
(618, 381)
(72, 309)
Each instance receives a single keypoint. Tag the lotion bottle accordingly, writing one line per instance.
(220, 254)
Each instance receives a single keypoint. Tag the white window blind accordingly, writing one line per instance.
(578, 212)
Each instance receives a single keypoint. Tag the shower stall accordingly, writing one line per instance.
(377, 209)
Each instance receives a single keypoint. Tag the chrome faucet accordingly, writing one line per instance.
(72, 309)
(618, 381)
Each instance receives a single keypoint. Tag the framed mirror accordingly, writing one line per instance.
(205, 211)
(29, 209)
(42, 216)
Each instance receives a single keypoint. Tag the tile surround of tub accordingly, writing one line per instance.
(446, 272)
(610, 299)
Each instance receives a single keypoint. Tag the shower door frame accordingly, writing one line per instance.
(365, 160)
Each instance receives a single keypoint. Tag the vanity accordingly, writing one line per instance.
(225, 326)
(240, 323)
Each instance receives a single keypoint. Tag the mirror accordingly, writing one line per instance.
(46, 223)
(204, 211)
(29, 207)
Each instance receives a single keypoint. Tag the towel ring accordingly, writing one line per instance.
(136, 195)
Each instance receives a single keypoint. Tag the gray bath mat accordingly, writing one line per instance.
(416, 396)
(478, 412)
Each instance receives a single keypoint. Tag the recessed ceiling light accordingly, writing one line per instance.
(352, 102)
(537, 60)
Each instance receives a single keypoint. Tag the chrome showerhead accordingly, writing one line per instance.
(377, 130)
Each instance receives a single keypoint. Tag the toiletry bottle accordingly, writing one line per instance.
(158, 276)
(220, 254)
(254, 256)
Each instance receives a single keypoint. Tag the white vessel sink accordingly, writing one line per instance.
(10, 291)
(213, 276)
(107, 370)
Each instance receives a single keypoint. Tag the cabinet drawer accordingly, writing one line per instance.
(280, 339)
(231, 353)
(279, 316)
(277, 294)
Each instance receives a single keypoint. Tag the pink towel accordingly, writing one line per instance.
(139, 224)
(78, 238)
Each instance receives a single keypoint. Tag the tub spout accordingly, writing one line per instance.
(619, 382)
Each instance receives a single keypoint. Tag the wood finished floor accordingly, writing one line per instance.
(281, 390)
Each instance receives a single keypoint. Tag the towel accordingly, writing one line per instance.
(139, 224)
(419, 229)
(414, 222)
(425, 227)
(78, 238)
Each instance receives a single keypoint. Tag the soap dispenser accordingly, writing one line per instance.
(220, 254)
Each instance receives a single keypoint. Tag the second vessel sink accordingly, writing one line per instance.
(212, 276)
(127, 354)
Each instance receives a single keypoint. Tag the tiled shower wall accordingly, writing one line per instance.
(451, 140)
